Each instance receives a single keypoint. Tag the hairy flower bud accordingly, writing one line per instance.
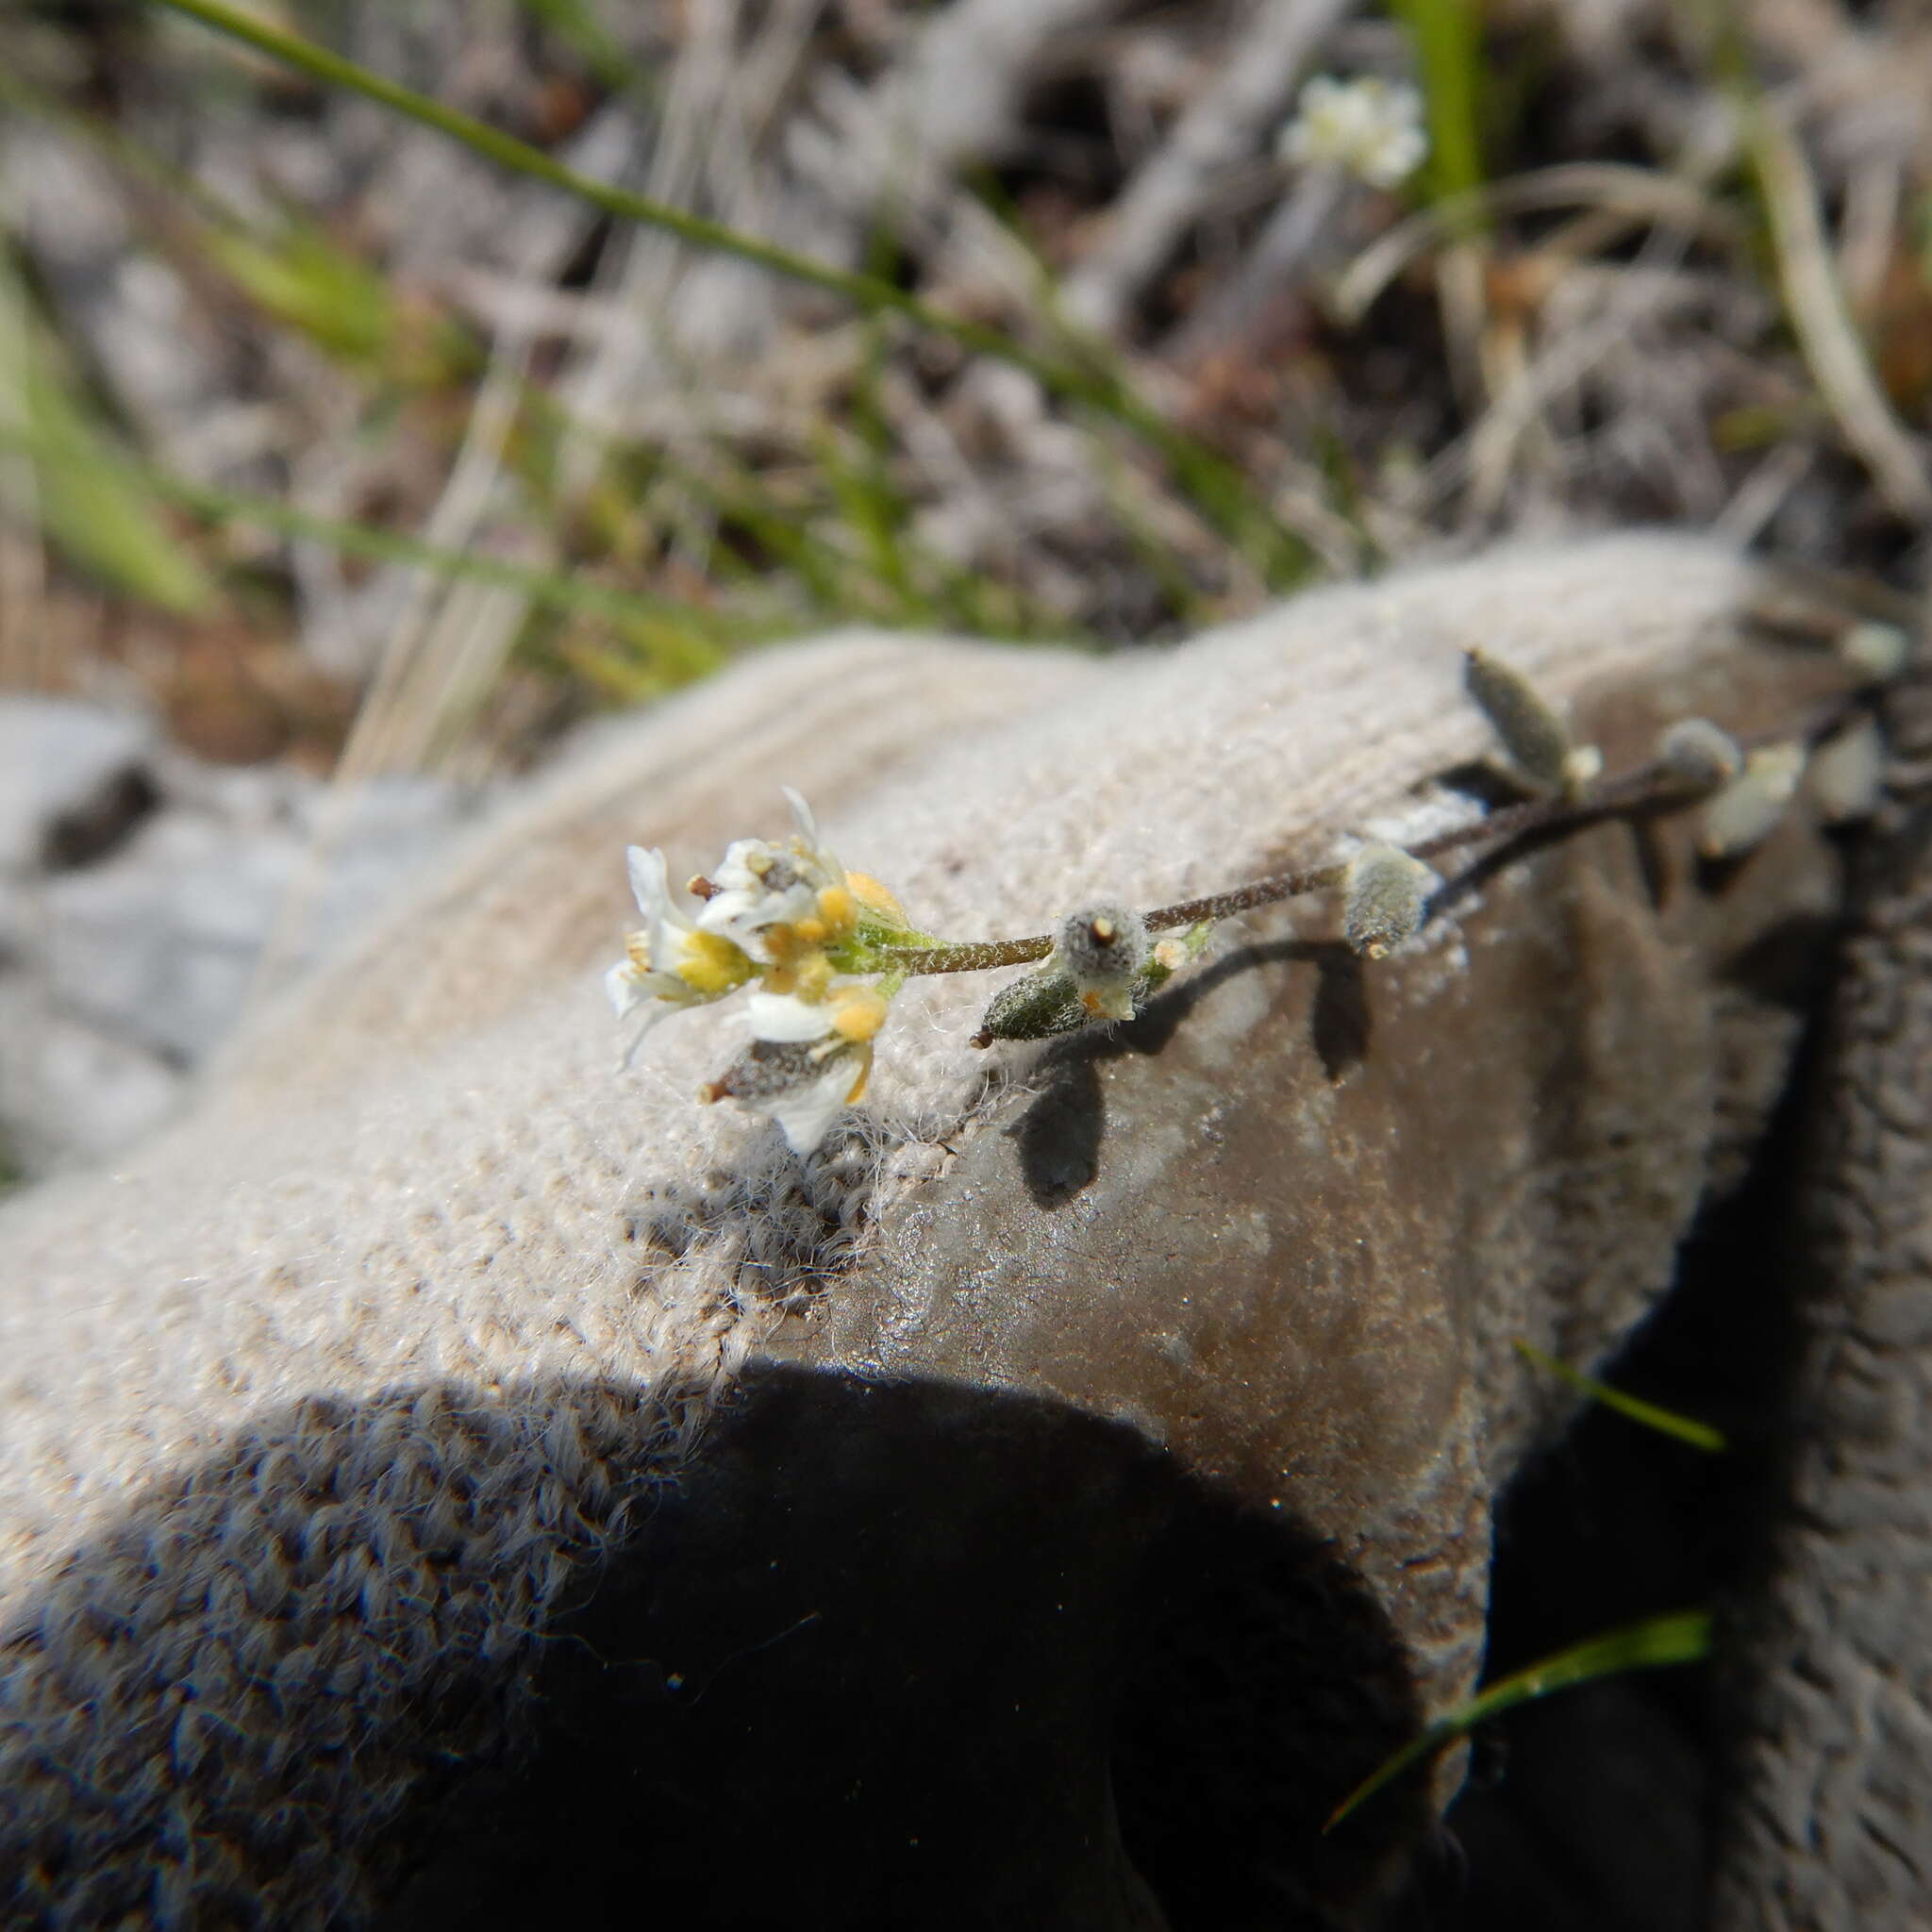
(1384, 893)
(1102, 949)
(1699, 752)
(1535, 737)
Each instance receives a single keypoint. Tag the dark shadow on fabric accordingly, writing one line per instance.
(1481, 782)
(787, 1220)
(1789, 965)
(887, 1654)
(1059, 1137)
(1653, 862)
(922, 1645)
(1479, 872)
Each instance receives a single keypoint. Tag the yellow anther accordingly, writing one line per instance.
(813, 930)
(812, 976)
(713, 965)
(838, 910)
(872, 896)
(858, 1014)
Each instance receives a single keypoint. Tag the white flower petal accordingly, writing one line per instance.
(804, 1113)
(742, 916)
(744, 866)
(652, 1015)
(784, 1017)
(801, 814)
(649, 883)
(624, 984)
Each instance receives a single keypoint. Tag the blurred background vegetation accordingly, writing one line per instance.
(331, 438)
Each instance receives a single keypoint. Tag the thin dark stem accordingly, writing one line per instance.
(1647, 791)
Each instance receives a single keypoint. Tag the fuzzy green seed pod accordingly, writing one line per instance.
(1102, 949)
(1699, 752)
(1384, 893)
(1879, 651)
(1535, 737)
(1747, 809)
(1847, 773)
(1034, 1006)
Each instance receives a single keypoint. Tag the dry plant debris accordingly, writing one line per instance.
(1649, 271)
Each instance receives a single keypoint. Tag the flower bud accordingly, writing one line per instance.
(1384, 893)
(1535, 737)
(1880, 651)
(1747, 809)
(1699, 752)
(1102, 949)
(1847, 773)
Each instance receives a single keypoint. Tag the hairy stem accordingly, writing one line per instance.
(1640, 793)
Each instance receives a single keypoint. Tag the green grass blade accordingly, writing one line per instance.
(555, 588)
(1683, 1636)
(579, 27)
(1447, 39)
(1667, 1421)
(82, 497)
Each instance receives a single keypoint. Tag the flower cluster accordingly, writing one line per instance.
(789, 921)
(823, 951)
(1368, 128)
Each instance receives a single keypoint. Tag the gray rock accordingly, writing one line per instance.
(70, 1094)
(146, 899)
(74, 780)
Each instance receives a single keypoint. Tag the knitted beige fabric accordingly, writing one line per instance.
(314, 1409)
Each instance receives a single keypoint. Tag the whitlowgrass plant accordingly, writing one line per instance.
(819, 952)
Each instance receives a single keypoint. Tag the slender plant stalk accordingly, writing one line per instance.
(1636, 790)
(1644, 792)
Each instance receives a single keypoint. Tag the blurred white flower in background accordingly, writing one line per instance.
(1368, 128)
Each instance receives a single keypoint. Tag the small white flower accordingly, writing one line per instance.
(669, 962)
(760, 885)
(1368, 128)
